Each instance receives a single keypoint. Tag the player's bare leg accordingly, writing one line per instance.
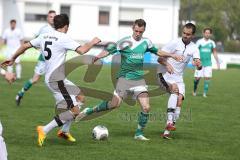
(143, 116)
(93, 112)
(58, 120)
(172, 104)
(27, 85)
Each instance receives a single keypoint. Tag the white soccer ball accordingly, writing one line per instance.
(100, 132)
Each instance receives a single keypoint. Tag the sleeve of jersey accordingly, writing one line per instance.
(70, 44)
(4, 35)
(169, 47)
(151, 47)
(196, 53)
(214, 44)
(112, 48)
(36, 42)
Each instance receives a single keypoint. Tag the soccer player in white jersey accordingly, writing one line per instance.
(3, 148)
(207, 47)
(40, 67)
(54, 46)
(13, 38)
(130, 76)
(170, 73)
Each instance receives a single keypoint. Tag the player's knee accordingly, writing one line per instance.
(80, 98)
(75, 110)
(174, 89)
(114, 105)
(146, 108)
(180, 100)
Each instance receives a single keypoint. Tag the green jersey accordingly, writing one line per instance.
(132, 56)
(206, 49)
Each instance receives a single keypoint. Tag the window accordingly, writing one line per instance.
(66, 10)
(36, 11)
(128, 15)
(104, 16)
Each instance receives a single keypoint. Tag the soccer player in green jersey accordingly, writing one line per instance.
(206, 47)
(130, 77)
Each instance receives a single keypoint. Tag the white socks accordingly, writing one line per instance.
(50, 126)
(172, 103)
(177, 113)
(66, 126)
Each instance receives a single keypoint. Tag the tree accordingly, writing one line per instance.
(221, 15)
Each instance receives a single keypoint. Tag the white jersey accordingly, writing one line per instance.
(13, 38)
(178, 47)
(54, 46)
(45, 29)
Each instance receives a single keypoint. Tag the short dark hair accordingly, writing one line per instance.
(139, 23)
(51, 11)
(13, 21)
(60, 21)
(192, 26)
(207, 28)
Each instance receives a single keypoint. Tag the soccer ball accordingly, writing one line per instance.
(100, 132)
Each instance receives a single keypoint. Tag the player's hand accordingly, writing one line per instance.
(178, 58)
(169, 69)
(96, 40)
(197, 63)
(95, 59)
(7, 63)
(10, 77)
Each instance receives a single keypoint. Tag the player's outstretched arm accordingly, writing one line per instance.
(86, 47)
(20, 51)
(161, 53)
(102, 54)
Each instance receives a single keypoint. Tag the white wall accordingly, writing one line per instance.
(161, 17)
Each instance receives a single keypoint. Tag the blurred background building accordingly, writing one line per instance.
(108, 19)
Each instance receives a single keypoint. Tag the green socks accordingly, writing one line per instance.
(206, 85)
(142, 121)
(27, 86)
(195, 85)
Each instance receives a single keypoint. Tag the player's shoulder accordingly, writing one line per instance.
(193, 45)
(201, 40)
(175, 42)
(124, 39)
(6, 30)
(146, 39)
(211, 41)
(46, 28)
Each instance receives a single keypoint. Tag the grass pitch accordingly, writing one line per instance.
(208, 128)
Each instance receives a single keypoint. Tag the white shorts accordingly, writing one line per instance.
(40, 68)
(127, 87)
(204, 72)
(65, 93)
(164, 79)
